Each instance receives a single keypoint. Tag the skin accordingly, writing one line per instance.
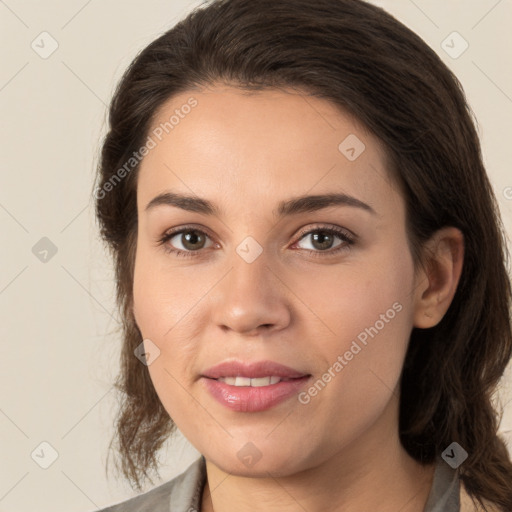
(294, 304)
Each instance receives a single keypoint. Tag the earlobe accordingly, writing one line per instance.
(436, 284)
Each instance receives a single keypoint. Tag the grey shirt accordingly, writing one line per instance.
(184, 493)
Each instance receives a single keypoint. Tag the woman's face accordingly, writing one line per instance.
(264, 280)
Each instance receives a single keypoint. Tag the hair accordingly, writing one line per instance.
(360, 58)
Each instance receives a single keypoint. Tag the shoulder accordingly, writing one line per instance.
(182, 493)
(467, 504)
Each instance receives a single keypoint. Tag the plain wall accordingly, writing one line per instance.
(60, 344)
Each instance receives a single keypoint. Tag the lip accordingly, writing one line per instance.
(252, 370)
(253, 399)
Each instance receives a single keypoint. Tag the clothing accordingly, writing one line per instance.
(184, 493)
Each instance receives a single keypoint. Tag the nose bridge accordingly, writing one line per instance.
(250, 298)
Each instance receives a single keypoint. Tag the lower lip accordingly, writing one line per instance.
(253, 399)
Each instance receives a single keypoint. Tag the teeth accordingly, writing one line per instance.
(246, 381)
(262, 381)
(242, 381)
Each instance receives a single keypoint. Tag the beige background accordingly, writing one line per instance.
(59, 327)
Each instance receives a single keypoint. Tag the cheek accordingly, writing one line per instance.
(347, 300)
(161, 302)
(363, 315)
(168, 311)
(368, 312)
(164, 298)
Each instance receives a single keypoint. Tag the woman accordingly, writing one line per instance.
(310, 267)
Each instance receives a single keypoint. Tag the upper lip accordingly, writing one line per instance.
(252, 370)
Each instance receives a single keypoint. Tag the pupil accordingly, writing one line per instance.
(322, 236)
(191, 238)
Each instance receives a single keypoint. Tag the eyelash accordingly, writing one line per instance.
(344, 235)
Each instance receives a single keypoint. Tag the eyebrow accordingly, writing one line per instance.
(293, 206)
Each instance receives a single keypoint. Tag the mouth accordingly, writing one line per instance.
(253, 387)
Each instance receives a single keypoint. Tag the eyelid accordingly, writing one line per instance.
(326, 227)
(186, 227)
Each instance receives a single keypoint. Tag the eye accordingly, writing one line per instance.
(324, 240)
(185, 241)
(188, 241)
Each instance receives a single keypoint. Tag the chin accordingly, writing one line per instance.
(252, 463)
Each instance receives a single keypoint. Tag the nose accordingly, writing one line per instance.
(251, 299)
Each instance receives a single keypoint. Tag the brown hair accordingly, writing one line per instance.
(362, 59)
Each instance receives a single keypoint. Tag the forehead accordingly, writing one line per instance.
(230, 144)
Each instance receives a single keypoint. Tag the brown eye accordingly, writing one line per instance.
(192, 240)
(322, 240)
(185, 242)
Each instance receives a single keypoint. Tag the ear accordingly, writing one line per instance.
(436, 282)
